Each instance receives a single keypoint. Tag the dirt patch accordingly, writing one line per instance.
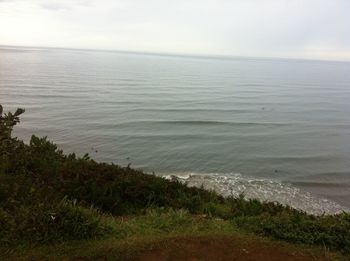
(222, 248)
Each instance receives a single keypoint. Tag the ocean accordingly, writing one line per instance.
(273, 129)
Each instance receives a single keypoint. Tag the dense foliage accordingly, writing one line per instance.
(48, 197)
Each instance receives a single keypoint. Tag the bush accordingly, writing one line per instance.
(51, 223)
(331, 231)
(32, 214)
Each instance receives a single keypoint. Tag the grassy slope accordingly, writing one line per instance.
(49, 201)
(169, 230)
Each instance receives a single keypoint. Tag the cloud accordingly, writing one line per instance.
(54, 6)
(277, 28)
(63, 4)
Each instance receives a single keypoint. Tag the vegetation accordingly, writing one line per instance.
(47, 197)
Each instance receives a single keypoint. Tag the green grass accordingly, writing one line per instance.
(49, 198)
(157, 228)
(128, 235)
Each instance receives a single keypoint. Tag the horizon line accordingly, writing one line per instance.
(183, 55)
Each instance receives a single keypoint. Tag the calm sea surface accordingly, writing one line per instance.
(274, 129)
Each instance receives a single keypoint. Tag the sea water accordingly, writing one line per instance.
(273, 129)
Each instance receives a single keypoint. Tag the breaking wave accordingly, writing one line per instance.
(263, 189)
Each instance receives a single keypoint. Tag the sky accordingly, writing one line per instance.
(308, 29)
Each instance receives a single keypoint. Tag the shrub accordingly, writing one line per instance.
(51, 223)
(331, 231)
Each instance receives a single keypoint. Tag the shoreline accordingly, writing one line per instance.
(263, 189)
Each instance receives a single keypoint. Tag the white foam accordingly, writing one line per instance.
(234, 184)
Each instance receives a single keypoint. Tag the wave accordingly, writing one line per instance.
(318, 184)
(340, 176)
(193, 110)
(234, 184)
(206, 122)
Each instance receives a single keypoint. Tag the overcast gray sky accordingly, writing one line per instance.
(270, 28)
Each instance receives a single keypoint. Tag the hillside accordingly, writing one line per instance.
(54, 205)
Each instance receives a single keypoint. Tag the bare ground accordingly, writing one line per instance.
(222, 248)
